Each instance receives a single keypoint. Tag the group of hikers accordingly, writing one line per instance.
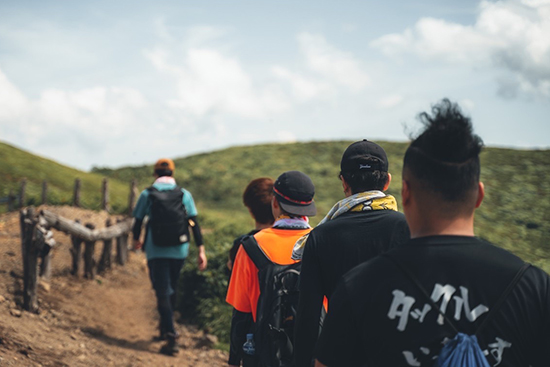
(369, 285)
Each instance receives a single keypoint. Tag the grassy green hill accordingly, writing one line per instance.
(515, 213)
(16, 164)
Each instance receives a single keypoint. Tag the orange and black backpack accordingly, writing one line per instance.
(277, 307)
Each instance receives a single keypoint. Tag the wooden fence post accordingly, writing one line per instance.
(76, 252)
(76, 196)
(105, 260)
(30, 256)
(122, 247)
(44, 192)
(132, 197)
(46, 264)
(22, 193)
(22, 228)
(47, 243)
(11, 201)
(105, 194)
(89, 262)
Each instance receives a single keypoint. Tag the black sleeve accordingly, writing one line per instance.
(197, 234)
(541, 353)
(310, 304)
(340, 341)
(241, 324)
(136, 229)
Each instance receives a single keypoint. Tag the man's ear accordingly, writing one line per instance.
(387, 182)
(405, 193)
(480, 194)
(345, 185)
(274, 203)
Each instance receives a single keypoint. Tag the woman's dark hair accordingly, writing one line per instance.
(361, 180)
(163, 172)
(257, 197)
(445, 155)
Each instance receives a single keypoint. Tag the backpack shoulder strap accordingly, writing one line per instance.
(412, 278)
(255, 252)
(503, 297)
(182, 196)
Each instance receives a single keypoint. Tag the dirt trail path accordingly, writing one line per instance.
(109, 321)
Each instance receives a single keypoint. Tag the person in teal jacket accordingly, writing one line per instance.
(165, 262)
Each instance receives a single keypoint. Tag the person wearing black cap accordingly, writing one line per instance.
(356, 229)
(291, 205)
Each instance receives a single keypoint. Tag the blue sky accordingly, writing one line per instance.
(111, 83)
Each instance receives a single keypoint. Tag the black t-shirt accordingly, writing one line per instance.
(378, 317)
(332, 249)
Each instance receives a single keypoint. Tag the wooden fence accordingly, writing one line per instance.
(19, 201)
(37, 241)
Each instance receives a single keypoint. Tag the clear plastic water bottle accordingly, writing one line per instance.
(249, 347)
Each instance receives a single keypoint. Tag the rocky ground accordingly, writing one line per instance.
(108, 321)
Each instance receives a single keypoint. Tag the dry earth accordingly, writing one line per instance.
(108, 321)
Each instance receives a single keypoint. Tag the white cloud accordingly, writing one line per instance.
(510, 35)
(11, 100)
(210, 81)
(303, 88)
(390, 101)
(71, 122)
(285, 137)
(467, 104)
(202, 96)
(335, 65)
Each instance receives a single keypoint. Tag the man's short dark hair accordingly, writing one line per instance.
(445, 155)
(257, 197)
(163, 172)
(362, 180)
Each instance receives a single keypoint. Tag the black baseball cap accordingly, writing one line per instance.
(294, 191)
(364, 155)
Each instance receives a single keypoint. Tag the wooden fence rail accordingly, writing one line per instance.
(21, 199)
(37, 240)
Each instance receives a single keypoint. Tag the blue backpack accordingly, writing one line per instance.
(463, 350)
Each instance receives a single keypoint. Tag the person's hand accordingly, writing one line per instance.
(138, 244)
(202, 261)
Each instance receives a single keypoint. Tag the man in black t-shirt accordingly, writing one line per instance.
(379, 316)
(358, 228)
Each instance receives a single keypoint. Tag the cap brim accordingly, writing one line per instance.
(308, 210)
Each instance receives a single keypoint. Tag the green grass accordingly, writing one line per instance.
(16, 164)
(514, 215)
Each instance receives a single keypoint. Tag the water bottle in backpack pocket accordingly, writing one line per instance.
(250, 358)
(249, 348)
